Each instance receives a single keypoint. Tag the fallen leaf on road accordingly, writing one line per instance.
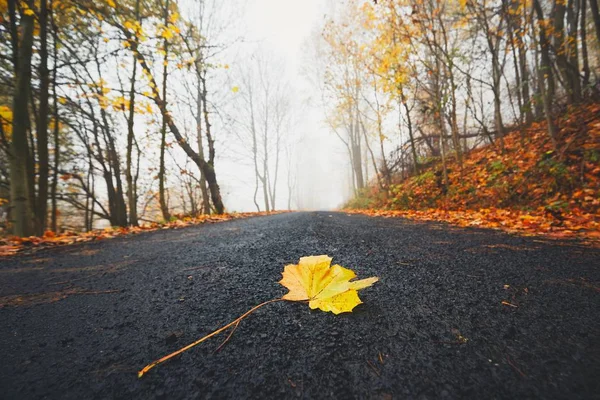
(325, 287)
(313, 280)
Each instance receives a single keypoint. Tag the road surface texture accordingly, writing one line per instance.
(78, 322)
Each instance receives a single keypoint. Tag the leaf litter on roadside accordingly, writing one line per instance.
(14, 245)
(312, 280)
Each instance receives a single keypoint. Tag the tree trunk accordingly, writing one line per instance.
(538, 109)
(448, 63)
(121, 209)
(20, 195)
(561, 50)
(546, 65)
(411, 137)
(518, 82)
(442, 128)
(55, 135)
(164, 208)
(584, 49)
(356, 152)
(41, 211)
(199, 114)
(496, 85)
(545, 74)
(116, 193)
(131, 184)
(387, 176)
(31, 156)
(265, 184)
(596, 18)
(573, 52)
(275, 178)
(209, 167)
(257, 176)
(516, 25)
(525, 84)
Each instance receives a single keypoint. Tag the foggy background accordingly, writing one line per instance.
(314, 164)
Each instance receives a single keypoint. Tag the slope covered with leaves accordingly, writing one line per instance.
(527, 187)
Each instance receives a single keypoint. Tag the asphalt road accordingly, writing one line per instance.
(78, 322)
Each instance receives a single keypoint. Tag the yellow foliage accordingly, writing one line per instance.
(26, 10)
(129, 25)
(325, 287)
(52, 125)
(166, 33)
(6, 117)
(120, 103)
(135, 27)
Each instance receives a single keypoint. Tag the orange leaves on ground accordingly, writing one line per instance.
(14, 245)
(527, 187)
(325, 287)
(313, 280)
(575, 225)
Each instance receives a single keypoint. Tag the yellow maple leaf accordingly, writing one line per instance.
(314, 280)
(326, 287)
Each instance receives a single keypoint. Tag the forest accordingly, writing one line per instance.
(119, 113)
(315, 199)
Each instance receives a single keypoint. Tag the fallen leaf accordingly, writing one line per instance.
(325, 287)
(314, 280)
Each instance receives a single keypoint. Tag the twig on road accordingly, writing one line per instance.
(512, 364)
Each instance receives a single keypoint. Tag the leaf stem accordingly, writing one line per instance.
(153, 364)
(228, 337)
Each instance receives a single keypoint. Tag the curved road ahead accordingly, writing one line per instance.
(79, 321)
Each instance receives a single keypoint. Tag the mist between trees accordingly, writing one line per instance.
(127, 111)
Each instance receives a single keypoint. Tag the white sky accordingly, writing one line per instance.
(283, 24)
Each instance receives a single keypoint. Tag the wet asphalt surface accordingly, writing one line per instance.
(433, 327)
